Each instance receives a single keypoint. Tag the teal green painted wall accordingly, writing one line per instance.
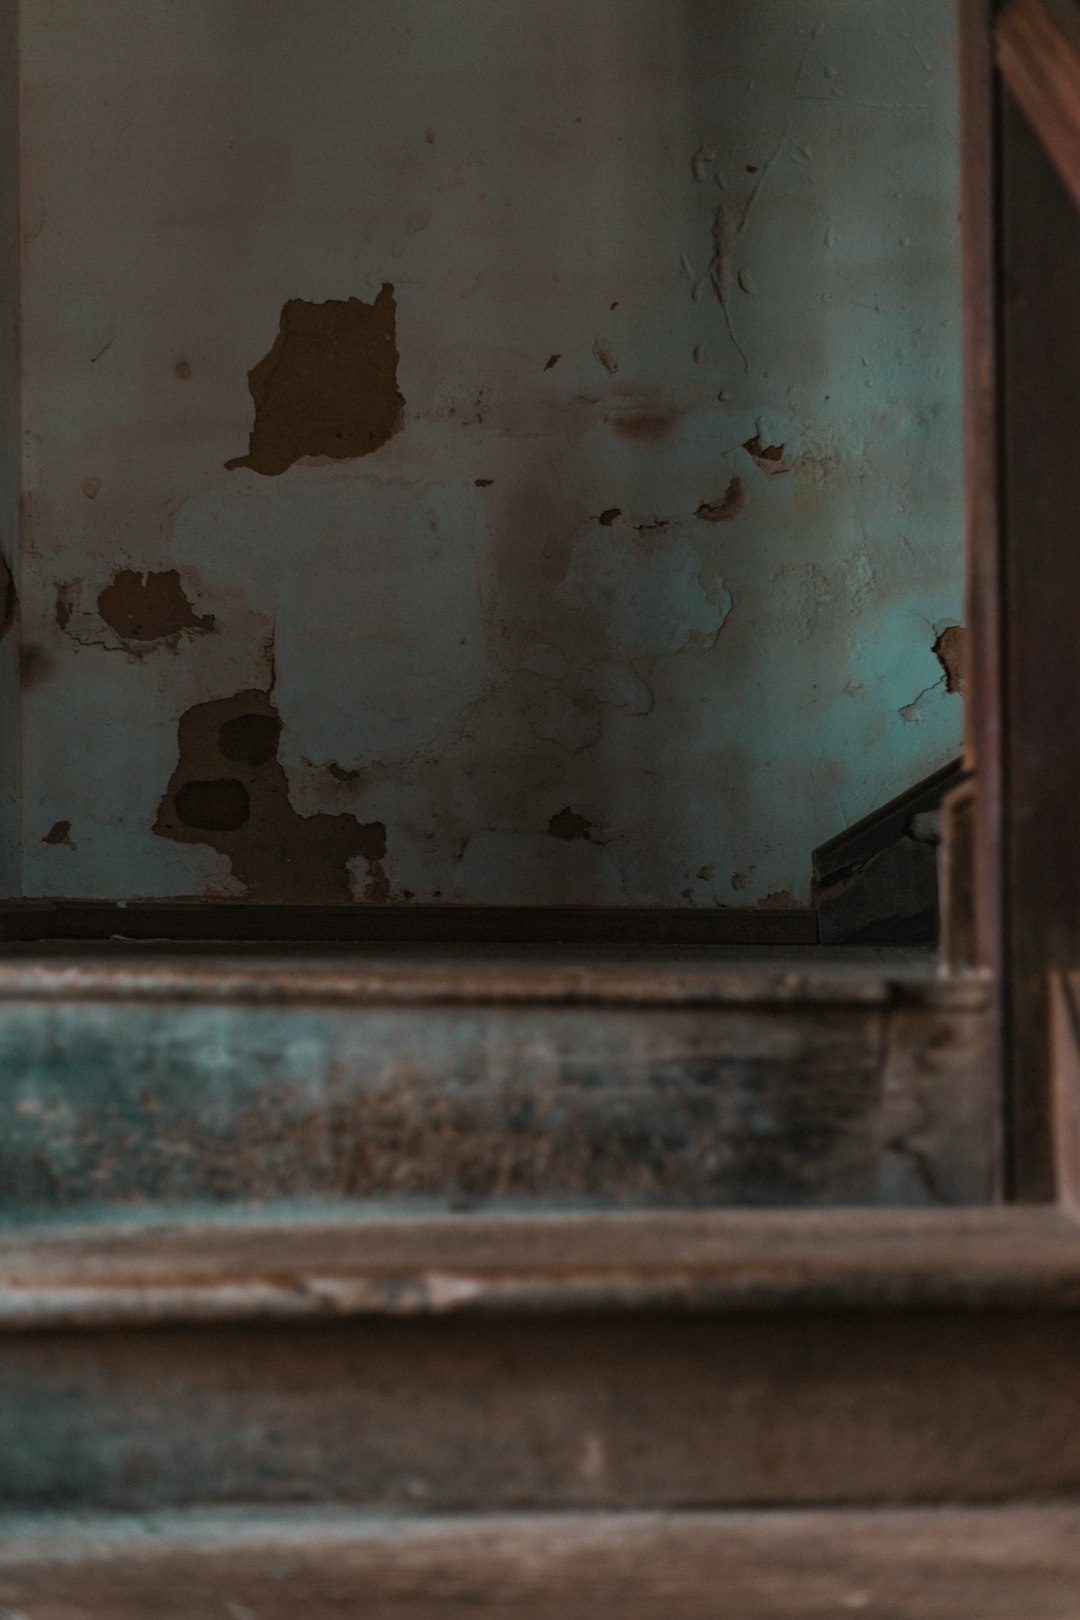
(729, 222)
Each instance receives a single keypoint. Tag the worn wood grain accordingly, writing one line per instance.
(1019, 1563)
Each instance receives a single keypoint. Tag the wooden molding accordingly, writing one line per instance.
(242, 922)
(1038, 51)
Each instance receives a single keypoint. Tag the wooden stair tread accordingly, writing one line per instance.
(1011, 1563)
(308, 1265)
(504, 974)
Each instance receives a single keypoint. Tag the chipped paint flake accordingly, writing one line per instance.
(728, 507)
(952, 651)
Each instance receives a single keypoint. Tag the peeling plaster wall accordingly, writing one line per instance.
(633, 592)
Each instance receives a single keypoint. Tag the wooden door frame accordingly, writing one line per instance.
(1020, 102)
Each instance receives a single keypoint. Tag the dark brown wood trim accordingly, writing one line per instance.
(1038, 51)
(414, 924)
(292, 1266)
(1040, 389)
(980, 219)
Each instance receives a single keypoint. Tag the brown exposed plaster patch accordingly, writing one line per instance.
(645, 426)
(553, 362)
(182, 369)
(730, 504)
(9, 600)
(329, 385)
(230, 790)
(706, 874)
(221, 805)
(150, 607)
(250, 739)
(606, 356)
(610, 516)
(91, 488)
(483, 483)
(769, 457)
(779, 900)
(59, 833)
(569, 826)
(952, 651)
(740, 881)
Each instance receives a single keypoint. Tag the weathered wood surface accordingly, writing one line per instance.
(629, 1087)
(1016, 1563)
(308, 1265)
(619, 1409)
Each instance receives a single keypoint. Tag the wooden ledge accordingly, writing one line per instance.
(305, 1266)
(448, 976)
(910, 1564)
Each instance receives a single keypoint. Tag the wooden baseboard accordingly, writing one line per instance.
(1009, 1563)
(31, 921)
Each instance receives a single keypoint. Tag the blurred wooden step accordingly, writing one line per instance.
(637, 1078)
(468, 1364)
(1019, 1563)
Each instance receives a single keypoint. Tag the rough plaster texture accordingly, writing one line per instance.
(639, 249)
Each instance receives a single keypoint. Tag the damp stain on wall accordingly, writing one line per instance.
(146, 607)
(230, 790)
(329, 385)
